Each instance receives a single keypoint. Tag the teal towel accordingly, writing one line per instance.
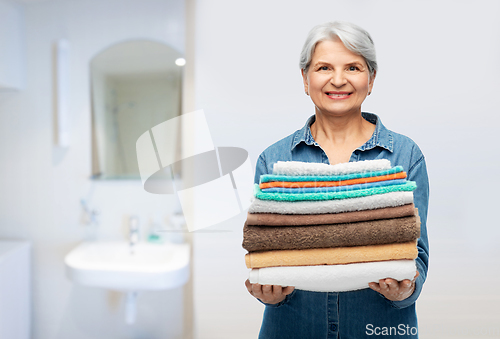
(409, 186)
(273, 177)
(298, 190)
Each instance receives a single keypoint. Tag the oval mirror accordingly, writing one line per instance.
(135, 85)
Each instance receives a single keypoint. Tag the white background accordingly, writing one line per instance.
(437, 83)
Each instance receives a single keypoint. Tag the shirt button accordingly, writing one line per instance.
(333, 327)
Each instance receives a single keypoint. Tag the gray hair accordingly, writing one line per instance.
(354, 38)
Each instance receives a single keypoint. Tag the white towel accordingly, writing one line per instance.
(312, 168)
(391, 199)
(334, 278)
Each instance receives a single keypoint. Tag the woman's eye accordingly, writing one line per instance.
(323, 68)
(353, 68)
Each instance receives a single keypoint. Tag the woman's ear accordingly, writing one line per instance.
(304, 78)
(372, 79)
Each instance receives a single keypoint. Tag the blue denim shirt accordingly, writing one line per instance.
(362, 313)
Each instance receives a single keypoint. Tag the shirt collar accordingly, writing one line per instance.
(381, 137)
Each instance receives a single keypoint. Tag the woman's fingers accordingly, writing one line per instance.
(268, 293)
(374, 286)
(393, 289)
(383, 285)
(277, 291)
(248, 286)
(257, 290)
(406, 284)
(393, 286)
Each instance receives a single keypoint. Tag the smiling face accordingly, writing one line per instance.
(338, 80)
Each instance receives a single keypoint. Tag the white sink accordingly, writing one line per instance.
(111, 265)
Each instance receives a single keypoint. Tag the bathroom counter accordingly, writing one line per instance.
(15, 289)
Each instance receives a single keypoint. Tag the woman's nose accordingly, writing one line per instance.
(338, 79)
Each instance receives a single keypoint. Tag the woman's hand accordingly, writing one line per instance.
(394, 290)
(269, 294)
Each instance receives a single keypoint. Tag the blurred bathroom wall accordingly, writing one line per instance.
(42, 184)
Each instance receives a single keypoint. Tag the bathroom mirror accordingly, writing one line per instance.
(135, 85)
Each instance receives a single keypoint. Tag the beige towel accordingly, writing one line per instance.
(332, 256)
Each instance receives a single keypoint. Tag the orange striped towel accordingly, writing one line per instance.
(299, 184)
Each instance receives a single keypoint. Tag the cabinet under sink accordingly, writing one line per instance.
(15, 289)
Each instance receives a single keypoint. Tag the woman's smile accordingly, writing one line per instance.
(338, 95)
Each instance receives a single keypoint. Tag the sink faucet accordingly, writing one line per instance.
(133, 231)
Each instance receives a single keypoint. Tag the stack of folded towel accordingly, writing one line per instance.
(332, 228)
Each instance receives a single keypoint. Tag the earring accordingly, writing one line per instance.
(369, 92)
(307, 93)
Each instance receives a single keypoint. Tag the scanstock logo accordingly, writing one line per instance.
(218, 181)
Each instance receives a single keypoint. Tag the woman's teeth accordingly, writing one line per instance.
(338, 95)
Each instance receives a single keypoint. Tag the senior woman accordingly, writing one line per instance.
(338, 67)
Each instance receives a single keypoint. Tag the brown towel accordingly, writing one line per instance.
(332, 256)
(373, 232)
(271, 219)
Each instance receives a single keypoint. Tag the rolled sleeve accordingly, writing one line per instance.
(260, 168)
